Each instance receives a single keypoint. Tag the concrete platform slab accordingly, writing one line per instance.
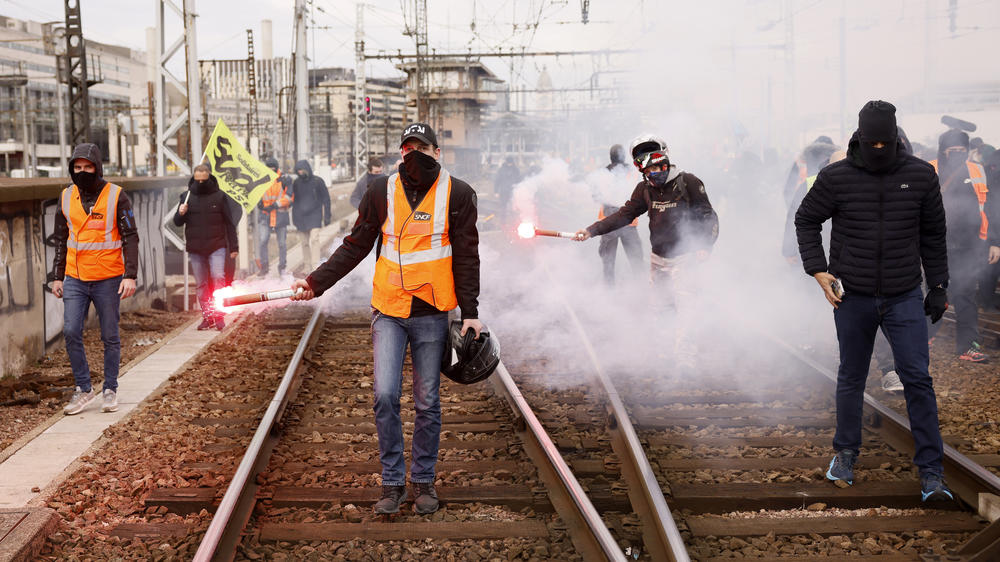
(38, 464)
(23, 532)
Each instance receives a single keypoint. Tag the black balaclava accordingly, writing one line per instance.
(84, 180)
(617, 154)
(877, 123)
(420, 169)
(952, 138)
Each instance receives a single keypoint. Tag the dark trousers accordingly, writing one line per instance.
(77, 297)
(608, 250)
(988, 285)
(902, 320)
(964, 267)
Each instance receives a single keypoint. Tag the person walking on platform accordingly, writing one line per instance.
(311, 211)
(428, 264)
(683, 227)
(96, 261)
(273, 211)
(507, 177)
(967, 206)
(628, 235)
(374, 172)
(888, 220)
(206, 213)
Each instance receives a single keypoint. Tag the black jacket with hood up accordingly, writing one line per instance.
(209, 222)
(367, 231)
(885, 225)
(312, 200)
(123, 214)
(681, 218)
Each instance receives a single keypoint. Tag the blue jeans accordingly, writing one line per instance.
(265, 235)
(427, 337)
(77, 296)
(209, 274)
(902, 321)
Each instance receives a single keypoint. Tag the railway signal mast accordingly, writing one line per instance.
(191, 116)
(360, 85)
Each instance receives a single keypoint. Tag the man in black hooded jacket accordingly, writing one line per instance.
(310, 212)
(888, 220)
(428, 263)
(209, 219)
(94, 231)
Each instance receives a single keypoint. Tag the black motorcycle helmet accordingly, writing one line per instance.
(477, 357)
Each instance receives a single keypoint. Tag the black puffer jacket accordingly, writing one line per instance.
(312, 200)
(884, 225)
(209, 221)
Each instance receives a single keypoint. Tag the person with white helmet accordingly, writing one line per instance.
(683, 226)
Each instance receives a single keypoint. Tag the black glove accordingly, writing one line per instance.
(935, 303)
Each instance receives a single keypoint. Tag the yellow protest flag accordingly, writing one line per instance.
(240, 175)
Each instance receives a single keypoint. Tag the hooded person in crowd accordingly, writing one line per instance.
(973, 242)
(424, 221)
(374, 172)
(888, 221)
(629, 235)
(311, 211)
(96, 262)
(274, 207)
(207, 215)
(988, 297)
(507, 177)
(807, 165)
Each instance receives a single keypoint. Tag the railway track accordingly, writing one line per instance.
(740, 471)
(311, 470)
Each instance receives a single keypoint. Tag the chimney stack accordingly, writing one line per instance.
(265, 40)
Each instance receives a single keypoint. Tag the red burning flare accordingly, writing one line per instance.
(219, 296)
(526, 230)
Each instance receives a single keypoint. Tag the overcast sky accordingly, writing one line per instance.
(714, 52)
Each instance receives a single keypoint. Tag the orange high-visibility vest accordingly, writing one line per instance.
(601, 215)
(274, 194)
(978, 176)
(415, 257)
(94, 246)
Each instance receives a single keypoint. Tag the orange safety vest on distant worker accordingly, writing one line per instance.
(601, 215)
(415, 257)
(978, 177)
(272, 196)
(94, 246)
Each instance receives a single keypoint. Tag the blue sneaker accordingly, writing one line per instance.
(933, 488)
(842, 467)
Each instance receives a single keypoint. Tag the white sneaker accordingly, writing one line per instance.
(891, 382)
(79, 401)
(110, 401)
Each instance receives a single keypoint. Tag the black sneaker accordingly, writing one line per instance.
(207, 323)
(426, 498)
(933, 488)
(392, 496)
(842, 467)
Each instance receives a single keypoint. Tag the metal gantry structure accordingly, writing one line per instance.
(360, 91)
(76, 75)
(252, 87)
(191, 116)
(301, 84)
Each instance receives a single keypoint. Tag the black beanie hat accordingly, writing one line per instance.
(877, 122)
(953, 137)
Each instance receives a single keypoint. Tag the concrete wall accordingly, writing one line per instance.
(31, 318)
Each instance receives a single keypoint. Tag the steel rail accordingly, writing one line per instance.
(586, 528)
(223, 534)
(966, 477)
(659, 532)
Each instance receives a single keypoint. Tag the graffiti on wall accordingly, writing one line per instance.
(19, 251)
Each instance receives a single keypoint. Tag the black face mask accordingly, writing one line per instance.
(200, 186)
(303, 174)
(877, 159)
(954, 159)
(84, 180)
(421, 170)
